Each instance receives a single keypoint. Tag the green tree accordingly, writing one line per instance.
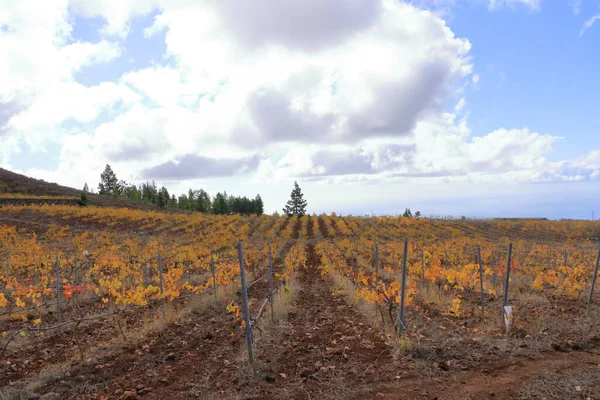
(83, 200)
(201, 201)
(108, 181)
(86, 188)
(132, 192)
(149, 192)
(296, 205)
(220, 204)
(407, 213)
(182, 202)
(259, 207)
(163, 197)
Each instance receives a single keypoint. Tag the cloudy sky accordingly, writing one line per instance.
(463, 107)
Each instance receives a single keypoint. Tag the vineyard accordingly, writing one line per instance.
(115, 303)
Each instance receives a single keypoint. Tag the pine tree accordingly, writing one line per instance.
(86, 188)
(83, 200)
(296, 205)
(259, 207)
(108, 181)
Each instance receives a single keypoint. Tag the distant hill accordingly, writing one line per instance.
(36, 190)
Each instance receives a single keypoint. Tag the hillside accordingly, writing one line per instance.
(30, 190)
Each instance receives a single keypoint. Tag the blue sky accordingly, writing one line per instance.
(472, 107)
(537, 71)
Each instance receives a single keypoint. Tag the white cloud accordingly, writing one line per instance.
(39, 62)
(441, 149)
(588, 24)
(386, 72)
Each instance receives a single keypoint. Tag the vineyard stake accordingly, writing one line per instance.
(213, 271)
(245, 301)
(271, 283)
(7, 264)
(162, 286)
(423, 269)
(493, 271)
(505, 302)
(76, 271)
(481, 280)
(85, 266)
(506, 309)
(593, 282)
(145, 270)
(57, 270)
(187, 266)
(353, 267)
(401, 325)
(376, 261)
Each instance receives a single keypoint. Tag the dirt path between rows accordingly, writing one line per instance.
(325, 349)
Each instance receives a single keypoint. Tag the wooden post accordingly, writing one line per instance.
(271, 284)
(507, 278)
(376, 260)
(401, 324)
(57, 270)
(481, 279)
(249, 337)
(590, 297)
(213, 270)
(162, 287)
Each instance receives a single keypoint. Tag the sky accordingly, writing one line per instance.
(482, 108)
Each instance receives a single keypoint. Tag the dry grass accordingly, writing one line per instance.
(560, 385)
(268, 328)
(431, 294)
(283, 299)
(533, 298)
(343, 286)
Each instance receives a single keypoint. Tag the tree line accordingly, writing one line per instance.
(194, 200)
